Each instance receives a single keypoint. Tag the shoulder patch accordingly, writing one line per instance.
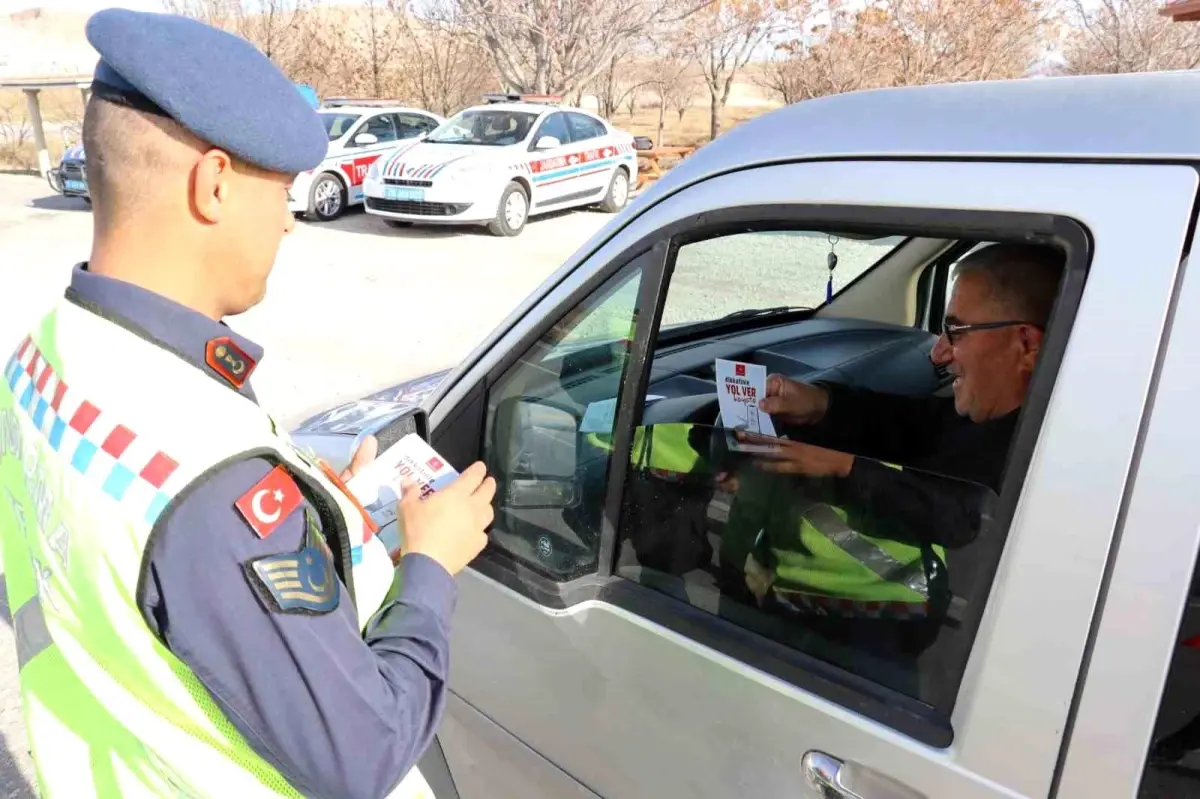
(229, 360)
(298, 582)
(270, 501)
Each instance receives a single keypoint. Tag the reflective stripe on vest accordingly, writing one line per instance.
(99, 430)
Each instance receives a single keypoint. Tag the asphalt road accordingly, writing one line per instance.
(352, 306)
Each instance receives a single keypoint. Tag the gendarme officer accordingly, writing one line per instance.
(199, 610)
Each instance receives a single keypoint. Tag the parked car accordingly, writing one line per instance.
(581, 667)
(69, 178)
(359, 133)
(500, 163)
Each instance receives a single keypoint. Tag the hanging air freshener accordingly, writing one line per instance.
(832, 259)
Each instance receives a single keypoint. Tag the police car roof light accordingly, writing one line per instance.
(514, 97)
(335, 102)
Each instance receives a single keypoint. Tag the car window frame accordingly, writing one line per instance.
(571, 115)
(924, 723)
(537, 133)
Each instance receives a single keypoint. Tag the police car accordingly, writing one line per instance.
(360, 131)
(499, 163)
(69, 178)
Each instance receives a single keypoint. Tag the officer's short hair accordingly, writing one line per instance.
(125, 154)
(1023, 278)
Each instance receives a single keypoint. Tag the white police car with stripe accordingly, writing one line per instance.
(358, 135)
(499, 163)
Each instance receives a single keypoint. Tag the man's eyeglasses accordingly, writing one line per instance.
(953, 331)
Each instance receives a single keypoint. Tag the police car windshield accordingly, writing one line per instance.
(336, 125)
(492, 127)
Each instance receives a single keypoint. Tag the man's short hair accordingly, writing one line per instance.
(1022, 278)
(126, 150)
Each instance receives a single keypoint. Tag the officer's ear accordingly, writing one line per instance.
(210, 186)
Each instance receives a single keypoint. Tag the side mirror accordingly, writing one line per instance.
(547, 143)
(364, 139)
(536, 458)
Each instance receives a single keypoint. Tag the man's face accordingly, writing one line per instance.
(991, 367)
(256, 220)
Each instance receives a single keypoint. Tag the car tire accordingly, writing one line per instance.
(327, 198)
(618, 192)
(397, 223)
(512, 212)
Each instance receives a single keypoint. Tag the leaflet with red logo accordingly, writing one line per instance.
(739, 388)
(377, 486)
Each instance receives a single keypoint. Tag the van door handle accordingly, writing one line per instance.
(833, 779)
(824, 773)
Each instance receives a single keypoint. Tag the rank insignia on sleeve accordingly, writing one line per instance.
(298, 582)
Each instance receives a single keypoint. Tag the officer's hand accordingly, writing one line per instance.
(794, 402)
(449, 526)
(796, 457)
(366, 453)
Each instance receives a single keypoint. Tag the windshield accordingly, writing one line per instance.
(336, 125)
(487, 126)
(762, 270)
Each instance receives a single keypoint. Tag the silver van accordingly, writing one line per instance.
(599, 648)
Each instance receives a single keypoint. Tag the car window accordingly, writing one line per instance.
(336, 125)
(382, 126)
(765, 269)
(584, 127)
(493, 127)
(409, 125)
(861, 537)
(1173, 762)
(554, 125)
(551, 488)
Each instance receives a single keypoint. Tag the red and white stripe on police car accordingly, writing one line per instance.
(100, 447)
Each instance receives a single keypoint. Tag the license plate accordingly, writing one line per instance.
(76, 185)
(403, 193)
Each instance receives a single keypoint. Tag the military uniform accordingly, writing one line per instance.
(199, 608)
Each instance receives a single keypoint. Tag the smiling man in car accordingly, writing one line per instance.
(857, 525)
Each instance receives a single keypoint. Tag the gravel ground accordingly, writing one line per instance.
(352, 306)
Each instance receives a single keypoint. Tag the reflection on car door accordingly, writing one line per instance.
(590, 678)
(597, 154)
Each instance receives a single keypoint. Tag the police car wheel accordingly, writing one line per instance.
(326, 198)
(512, 213)
(618, 192)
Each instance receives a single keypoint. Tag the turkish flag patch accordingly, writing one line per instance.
(269, 502)
(739, 370)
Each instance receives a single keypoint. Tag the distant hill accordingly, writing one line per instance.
(36, 43)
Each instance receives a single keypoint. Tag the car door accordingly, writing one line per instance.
(581, 668)
(597, 154)
(359, 157)
(554, 172)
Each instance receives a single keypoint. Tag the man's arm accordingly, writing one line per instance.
(337, 713)
(890, 427)
(914, 506)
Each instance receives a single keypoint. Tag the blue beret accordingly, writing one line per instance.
(215, 84)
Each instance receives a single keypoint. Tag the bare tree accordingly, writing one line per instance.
(618, 83)
(277, 27)
(448, 68)
(724, 37)
(1129, 36)
(673, 85)
(833, 58)
(558, 46)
